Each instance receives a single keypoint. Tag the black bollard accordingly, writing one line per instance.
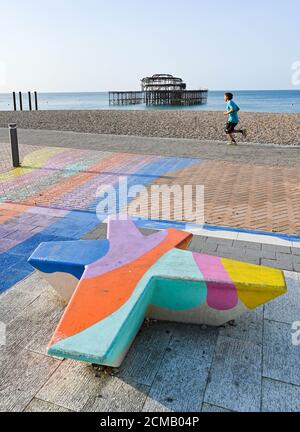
(13, 135)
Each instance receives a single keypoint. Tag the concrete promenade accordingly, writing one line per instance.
(250, 365)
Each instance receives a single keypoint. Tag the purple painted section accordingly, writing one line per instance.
(5, 231)
(6, 244)
(54, 163)
(22, 227)
(48, 212)
(221, 291)
(126, 243)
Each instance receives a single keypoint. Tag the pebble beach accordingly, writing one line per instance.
(266, 128)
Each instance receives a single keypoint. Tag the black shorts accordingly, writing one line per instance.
(229, 128)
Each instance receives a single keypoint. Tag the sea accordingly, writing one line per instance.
(278, 101)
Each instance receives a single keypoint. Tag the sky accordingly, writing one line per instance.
(100, 45)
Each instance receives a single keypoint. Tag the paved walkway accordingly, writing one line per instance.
(263, 194)
(260, 154)
(40, 201)
(251, 366)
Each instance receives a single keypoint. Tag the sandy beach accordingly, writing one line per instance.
(266, 128)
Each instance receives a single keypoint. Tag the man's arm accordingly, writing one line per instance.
(229, 112)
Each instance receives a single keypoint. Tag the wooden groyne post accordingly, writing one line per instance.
(14, 101)
(36, 101)
(21, 101)
(29, 101)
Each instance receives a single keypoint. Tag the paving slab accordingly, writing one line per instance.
(21, 376)
(34, 326)
(179, 385)
(72, 385)
(268, 253)
(145, 356)
(197, 243)
(281, 358)
(116, 395)
(181, 379)
(207, 408)
(283, 250)
(220, 241)
(284, 260)
(280, 397)
(248, 245)
(37, 405)
(249, 327)
(13, 302)
(297, 267)
(235, 377)
(282, 265)
(194, 340)
(286, 309)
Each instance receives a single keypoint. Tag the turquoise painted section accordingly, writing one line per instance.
(178, 295)
(179, 284)
(106, 341)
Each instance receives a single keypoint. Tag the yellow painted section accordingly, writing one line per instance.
(256, 285)
(32, 161)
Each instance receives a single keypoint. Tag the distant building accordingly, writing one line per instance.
(160, 89)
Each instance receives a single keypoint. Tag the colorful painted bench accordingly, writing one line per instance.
(114, 284)
(62, 263)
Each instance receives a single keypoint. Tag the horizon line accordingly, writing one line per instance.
(107, 91)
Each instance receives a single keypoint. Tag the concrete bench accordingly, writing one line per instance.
(137, 276)
(62, 263)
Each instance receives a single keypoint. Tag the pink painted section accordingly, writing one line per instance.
(222, 294)
(126, 244)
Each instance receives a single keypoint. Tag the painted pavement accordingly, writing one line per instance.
(52, 197)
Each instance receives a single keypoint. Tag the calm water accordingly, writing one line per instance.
(264, 101)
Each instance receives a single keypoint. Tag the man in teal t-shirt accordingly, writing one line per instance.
(233, 118)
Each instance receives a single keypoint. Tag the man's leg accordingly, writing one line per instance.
(230, 131)
(232, 139)
(241, 131)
